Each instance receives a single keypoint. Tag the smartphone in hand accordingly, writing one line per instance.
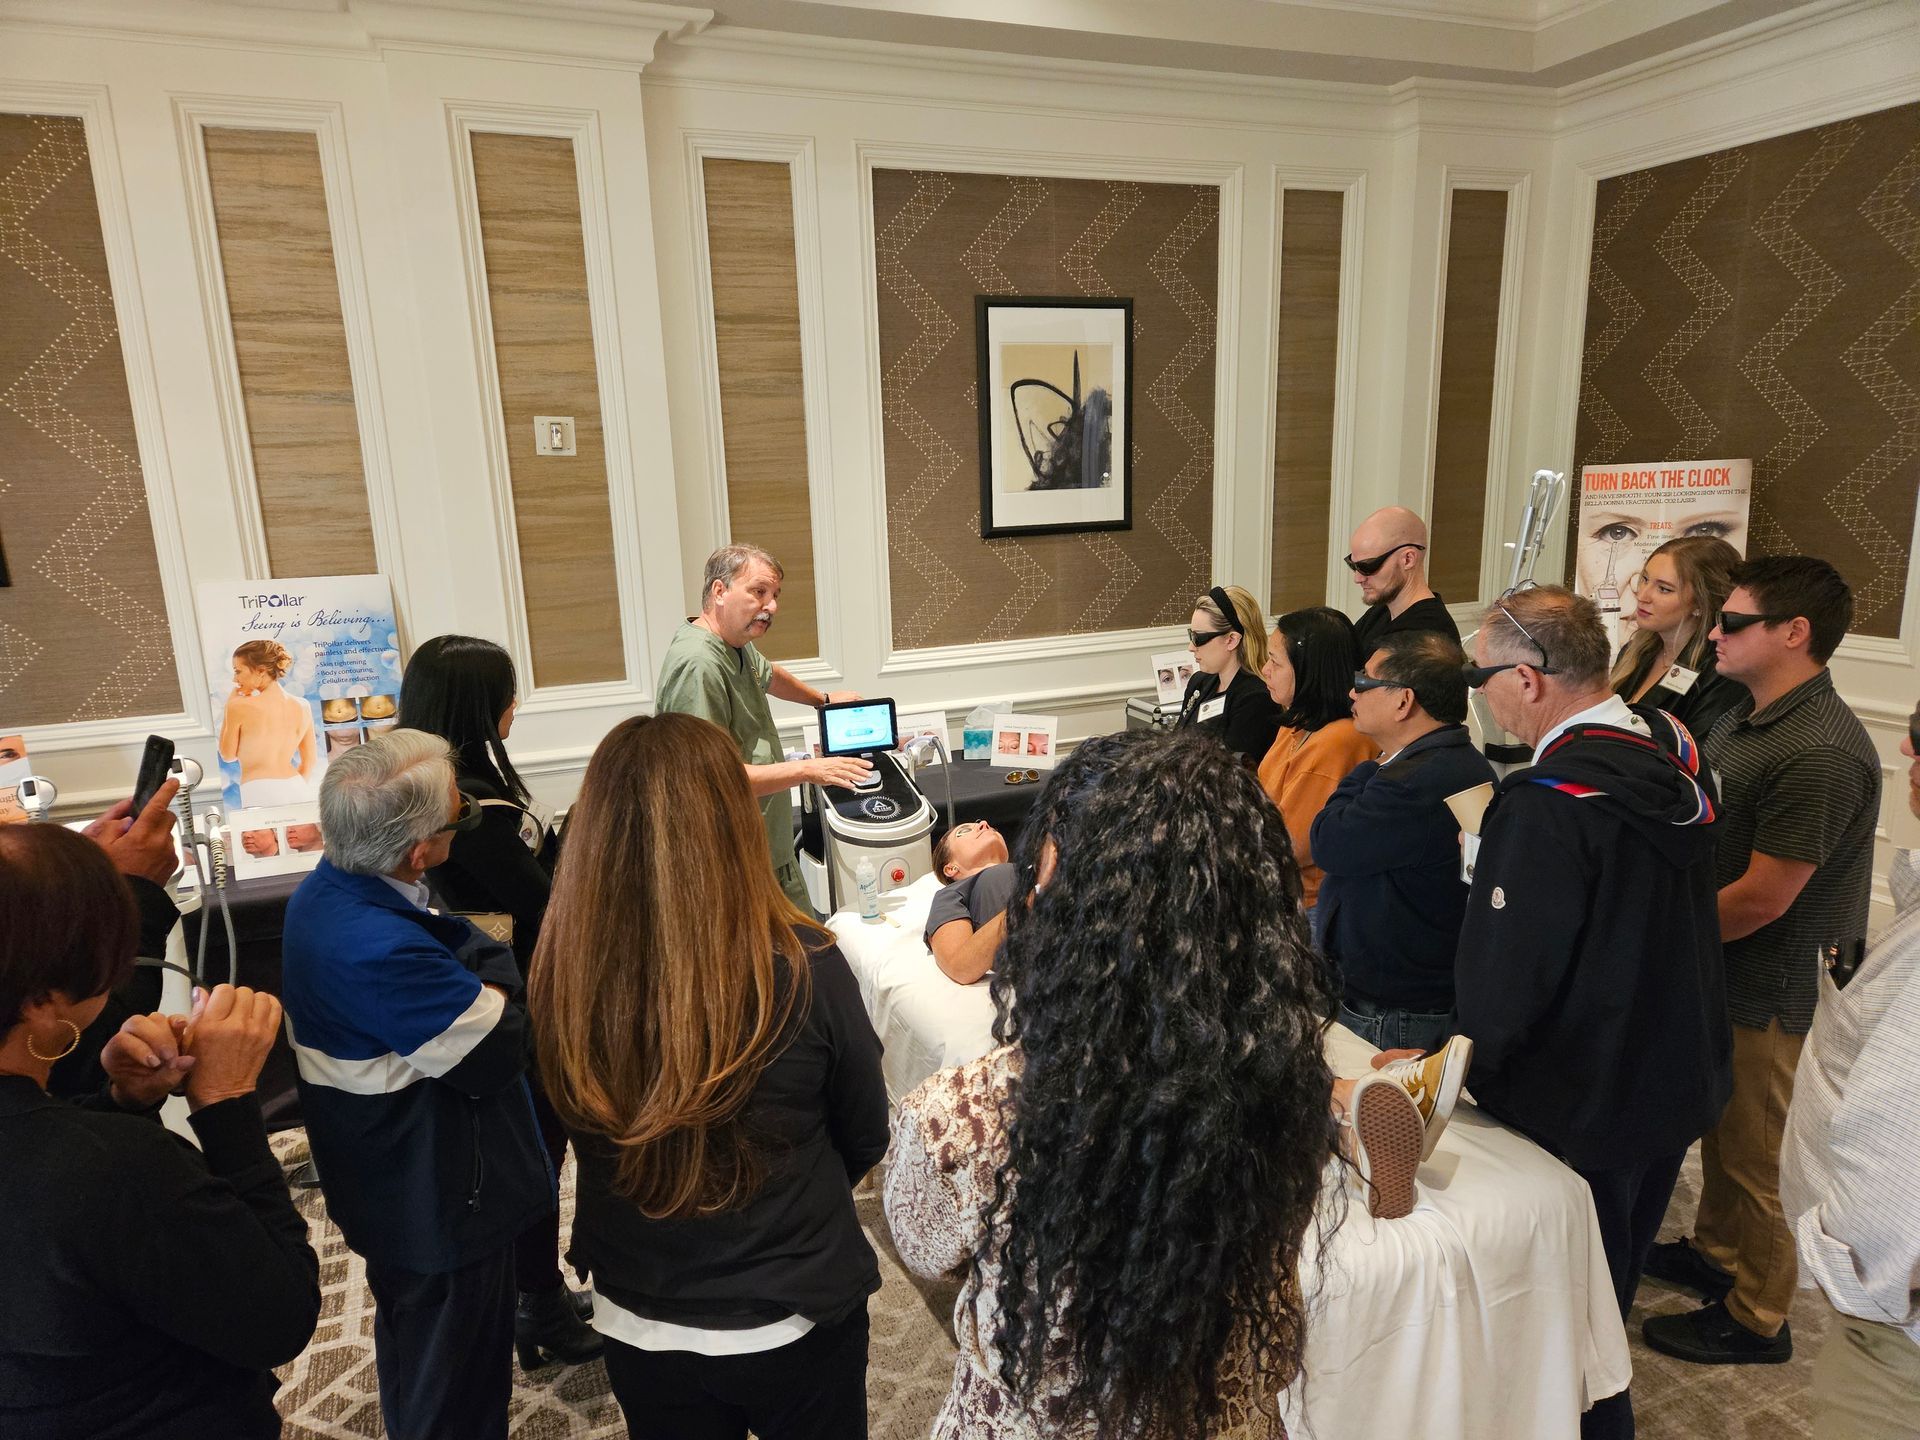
(155, 762)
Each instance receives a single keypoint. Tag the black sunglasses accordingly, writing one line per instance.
(1732, 622)
(1478, 675)
(1197, 638)
(1913, 729)
(1364, 681)
(467, 819)
(1372, 566)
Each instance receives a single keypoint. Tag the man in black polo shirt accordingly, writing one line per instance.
(1392, 900)
(1389, 563)
(1800, 793)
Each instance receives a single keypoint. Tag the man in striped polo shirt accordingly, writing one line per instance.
(1800, 794)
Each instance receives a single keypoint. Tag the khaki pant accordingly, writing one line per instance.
(1740, 1227)
(1866, 1383)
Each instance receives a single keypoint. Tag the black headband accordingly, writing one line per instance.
(1227, 612)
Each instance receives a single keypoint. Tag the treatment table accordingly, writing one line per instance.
(1486, 1314)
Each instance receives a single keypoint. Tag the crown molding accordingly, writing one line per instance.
(601, 34)
(878, 71)
(1853, 25)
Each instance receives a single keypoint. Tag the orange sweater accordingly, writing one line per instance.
(1300, 772)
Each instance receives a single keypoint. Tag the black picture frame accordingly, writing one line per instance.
(1039, 475)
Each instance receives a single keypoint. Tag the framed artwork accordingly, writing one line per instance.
(1056, 414)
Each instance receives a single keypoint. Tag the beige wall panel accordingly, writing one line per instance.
(1309, 350)
(529, 201)
(276, 249)
(756, 323)
(1476, 251)
(942, 238)
(83, 623)
(1763, 303)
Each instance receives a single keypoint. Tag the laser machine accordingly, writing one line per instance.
(885, 819)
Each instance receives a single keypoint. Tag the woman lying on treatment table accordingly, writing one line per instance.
(968, 917)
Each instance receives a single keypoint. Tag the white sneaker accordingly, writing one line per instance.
(1434, 1083)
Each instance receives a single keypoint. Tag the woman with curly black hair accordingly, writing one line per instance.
(1130, 1174)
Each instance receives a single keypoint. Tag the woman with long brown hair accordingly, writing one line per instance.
(706, 1046)
(1669, 662)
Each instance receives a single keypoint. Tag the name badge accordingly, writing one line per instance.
(1679, 679)
(1213, 709)
(1469, 853)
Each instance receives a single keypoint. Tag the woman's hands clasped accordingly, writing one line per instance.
(216, 1052)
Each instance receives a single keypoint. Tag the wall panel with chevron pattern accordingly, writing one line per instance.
(940, 239)
(83, 626)
(1764, 301)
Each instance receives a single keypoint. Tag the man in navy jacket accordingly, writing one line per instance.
(1393, 900)
(1589, 975)
(412, 1045)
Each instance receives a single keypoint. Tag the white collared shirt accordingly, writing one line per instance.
(414, 892)
(1850, 1158)
(1610, 711)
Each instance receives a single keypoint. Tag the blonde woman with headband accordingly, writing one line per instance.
(1226, 697)
(268, 732)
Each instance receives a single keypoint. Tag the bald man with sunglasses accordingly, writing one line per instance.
(1388, 561)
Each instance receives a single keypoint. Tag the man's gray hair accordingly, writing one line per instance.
(726, 563)
(1565, 625)
(380, 799)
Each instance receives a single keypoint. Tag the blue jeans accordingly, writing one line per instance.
(1387, 1029)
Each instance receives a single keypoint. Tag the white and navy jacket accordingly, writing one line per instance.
(412, 1074)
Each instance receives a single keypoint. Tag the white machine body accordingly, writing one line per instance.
(888, 822)
(884, 820)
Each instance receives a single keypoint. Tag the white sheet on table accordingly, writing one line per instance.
(1486, 1314)
(925, 1022)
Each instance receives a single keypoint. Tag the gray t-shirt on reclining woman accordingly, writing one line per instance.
(978, 898)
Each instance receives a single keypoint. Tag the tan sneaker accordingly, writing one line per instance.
(1387, 1129)
(1434, 1083)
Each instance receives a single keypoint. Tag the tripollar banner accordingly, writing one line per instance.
(301, 670)
(1628, 511)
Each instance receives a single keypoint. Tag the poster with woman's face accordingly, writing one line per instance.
(1628, 511)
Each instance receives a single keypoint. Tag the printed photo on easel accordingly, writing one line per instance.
(1025, 742)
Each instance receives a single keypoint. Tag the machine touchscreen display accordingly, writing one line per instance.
(857, 727)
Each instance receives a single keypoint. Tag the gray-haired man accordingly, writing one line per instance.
(412, 1047)
(713, 670)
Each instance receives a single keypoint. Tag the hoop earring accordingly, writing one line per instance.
(72, 1045)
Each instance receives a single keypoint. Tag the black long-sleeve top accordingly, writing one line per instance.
(150, 1289)
(492, 868)
(820, 1113)
(1245, 722)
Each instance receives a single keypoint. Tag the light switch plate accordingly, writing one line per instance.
(553, 435)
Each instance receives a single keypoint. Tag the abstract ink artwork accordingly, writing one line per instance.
(1055, 414)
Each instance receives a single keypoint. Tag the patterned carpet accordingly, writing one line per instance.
(331, 1393)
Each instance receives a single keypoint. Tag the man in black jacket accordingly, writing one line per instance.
(1589, 975)
(1392, 900)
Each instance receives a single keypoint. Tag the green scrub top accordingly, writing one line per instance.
(703, 675)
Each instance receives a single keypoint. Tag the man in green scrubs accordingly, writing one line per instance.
(713, 670)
